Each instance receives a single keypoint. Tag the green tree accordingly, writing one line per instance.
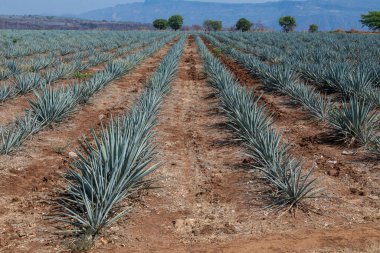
(212, 25)
(371, 20)
(243, 25)
(176, 22)
(160, 24)
(288, 23)
(313, 28)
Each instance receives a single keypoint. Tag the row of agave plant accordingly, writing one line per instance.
(12, 68)
(253, 125)
(355, 122)
(310, 48)
(352, 73)
(36, 63)
(113, 164)
(26, 82)
(21, 43)
(54, 105)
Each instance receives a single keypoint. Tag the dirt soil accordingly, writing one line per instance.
(207, 200)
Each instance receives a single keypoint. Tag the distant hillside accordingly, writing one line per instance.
(50, 22)
(328, 14)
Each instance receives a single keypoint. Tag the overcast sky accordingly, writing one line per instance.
(59, 7)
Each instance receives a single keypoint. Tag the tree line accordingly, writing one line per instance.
(287, 23)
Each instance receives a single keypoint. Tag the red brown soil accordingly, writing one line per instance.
(30, 174)
(207, 200)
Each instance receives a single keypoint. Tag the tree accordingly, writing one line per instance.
(212, 25)
(175, 22)
(288, 23)
(243, 25)
(313, 28)
(371, 20)
(160, 24)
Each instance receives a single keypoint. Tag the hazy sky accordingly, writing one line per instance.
(58, 7)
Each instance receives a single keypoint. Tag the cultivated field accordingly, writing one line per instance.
(189, 142)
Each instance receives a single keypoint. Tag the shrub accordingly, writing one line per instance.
(288, 23)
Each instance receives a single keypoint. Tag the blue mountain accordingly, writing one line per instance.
(328, 14)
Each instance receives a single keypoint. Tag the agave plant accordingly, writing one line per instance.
(315, 73)
(9, 139)
(310, 99)
(16, 133)
(28, 81)
(40, 63)
(295, 185)
(96, 59)
(105, 173)
(53, 105)
(4, 74)
(93, 85)
(14, 67)
(51, 76)
(6, 92)
(359, 82)
(117, 68)
(65, 50)
(278, 77)
(356, 122)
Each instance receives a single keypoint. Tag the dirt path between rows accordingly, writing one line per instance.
(31, 175)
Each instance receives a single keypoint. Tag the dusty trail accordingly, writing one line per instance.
(30, 176)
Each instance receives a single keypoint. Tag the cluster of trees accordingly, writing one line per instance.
(370, 20)
(288, 23)
(216, 25)
(175, 22)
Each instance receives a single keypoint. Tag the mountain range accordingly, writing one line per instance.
(328, 14)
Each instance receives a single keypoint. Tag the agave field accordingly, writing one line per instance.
(148, 141)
